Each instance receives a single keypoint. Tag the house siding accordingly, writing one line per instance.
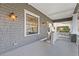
(12, 32)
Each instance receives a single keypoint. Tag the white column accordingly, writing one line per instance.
(74, 25)
(55, 33)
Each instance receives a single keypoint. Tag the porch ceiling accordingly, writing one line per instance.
(56, 10)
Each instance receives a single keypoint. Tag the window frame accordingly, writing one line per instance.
(25, 21)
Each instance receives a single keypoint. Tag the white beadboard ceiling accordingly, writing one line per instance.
(55, 10)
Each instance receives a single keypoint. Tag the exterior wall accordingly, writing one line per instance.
(12, 32)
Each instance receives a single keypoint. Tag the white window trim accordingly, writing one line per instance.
(25, 31)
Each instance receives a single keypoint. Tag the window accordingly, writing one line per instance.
(31, 23)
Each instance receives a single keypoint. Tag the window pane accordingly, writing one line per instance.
(31, 24)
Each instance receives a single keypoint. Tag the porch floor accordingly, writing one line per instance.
(61, 47)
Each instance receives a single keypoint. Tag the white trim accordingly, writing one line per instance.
(43, 39)
(28, 12)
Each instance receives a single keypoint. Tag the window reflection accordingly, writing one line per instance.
(31, 24)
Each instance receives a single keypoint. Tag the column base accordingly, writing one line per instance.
(73, 37)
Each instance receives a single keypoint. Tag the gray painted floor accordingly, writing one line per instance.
(41, 48)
